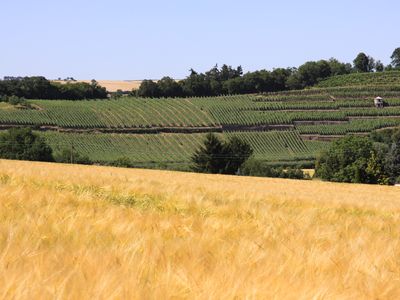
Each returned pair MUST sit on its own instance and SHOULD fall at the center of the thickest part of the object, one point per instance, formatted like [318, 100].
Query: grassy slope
[94, 232]
[362, 79]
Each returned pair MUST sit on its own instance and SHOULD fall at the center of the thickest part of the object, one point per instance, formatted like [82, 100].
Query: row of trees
[228, 80]
[41, 88]
[364, 63]
[374, 159]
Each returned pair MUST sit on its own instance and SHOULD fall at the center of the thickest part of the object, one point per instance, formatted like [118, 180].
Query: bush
[23, 144]
[352, 159]
[122, 162]
[68, 156]
[344, 161]
[262, 169]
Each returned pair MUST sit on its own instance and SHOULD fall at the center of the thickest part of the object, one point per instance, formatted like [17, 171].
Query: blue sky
[123, 39]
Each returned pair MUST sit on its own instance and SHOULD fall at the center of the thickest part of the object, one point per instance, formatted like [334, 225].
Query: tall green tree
[219, 157]
[379, 67]
[396, 58]
[363, 63]
[148, 89]
[392, 163]
[209, 157]
[237, 152]
[168, 87]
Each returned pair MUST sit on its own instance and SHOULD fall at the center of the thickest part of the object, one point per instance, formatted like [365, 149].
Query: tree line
[40, 88]
[228, 80]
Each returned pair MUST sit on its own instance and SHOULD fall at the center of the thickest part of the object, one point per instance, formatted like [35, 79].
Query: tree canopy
[364, 63]
[41, 88]
[396, 58]
[374, 159]
[23, 144]
[221, 157]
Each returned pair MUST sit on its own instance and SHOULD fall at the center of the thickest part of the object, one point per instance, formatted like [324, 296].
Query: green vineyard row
[178, 148]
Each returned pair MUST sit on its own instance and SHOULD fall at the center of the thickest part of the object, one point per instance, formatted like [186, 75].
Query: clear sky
[123, 39]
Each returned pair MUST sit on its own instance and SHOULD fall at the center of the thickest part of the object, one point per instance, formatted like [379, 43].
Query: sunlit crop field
[114, 85]
[86, 232]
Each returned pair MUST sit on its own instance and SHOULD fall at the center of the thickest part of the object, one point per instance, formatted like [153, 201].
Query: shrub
[262, 169]
[23, 144]
[122, 162]
[71, 156]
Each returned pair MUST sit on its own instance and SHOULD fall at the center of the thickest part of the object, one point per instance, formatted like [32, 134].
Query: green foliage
[118, 94]
[261, 169]
[392, 162]
[122, 162]
[23, 144]
[16, 101]
[148, 89]
[69, 155]
[358, 160]
[41, 88]
[363, 63]
[311, 72]
[364, 80]
[379, 67]
[209, 158]
[349, 159]
[169, 87]
[396, 58]
[220, 157]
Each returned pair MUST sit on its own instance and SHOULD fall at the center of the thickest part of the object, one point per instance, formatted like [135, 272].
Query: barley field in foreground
[87, 232]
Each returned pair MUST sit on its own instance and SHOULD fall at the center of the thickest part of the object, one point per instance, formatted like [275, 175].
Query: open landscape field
[114, 85]
[84, 232]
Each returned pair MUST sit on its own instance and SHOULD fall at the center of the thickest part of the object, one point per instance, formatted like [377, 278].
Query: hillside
[363, 79]
[283, 128]
[164, 235]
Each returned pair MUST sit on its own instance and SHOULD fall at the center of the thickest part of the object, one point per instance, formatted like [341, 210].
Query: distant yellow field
[87, 232]
[114, 85]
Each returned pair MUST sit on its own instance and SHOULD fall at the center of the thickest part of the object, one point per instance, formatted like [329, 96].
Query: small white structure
[378, 101]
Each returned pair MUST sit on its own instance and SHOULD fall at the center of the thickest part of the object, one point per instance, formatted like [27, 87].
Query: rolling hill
[284, 128]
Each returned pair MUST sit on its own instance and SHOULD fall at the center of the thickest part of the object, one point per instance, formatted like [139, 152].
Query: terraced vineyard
[177, 149]
[123, 113]
[357, 79]
[303, 117]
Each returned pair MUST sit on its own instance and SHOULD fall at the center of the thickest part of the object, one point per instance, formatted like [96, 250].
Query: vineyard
[290, 126]
[363, 79]
[176, 149]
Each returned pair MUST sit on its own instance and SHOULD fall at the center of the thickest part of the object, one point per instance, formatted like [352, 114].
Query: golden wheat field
[87, 232]
[114, 85]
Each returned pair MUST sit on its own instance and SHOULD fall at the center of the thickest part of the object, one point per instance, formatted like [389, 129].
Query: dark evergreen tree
[218, 157]
[209, 158]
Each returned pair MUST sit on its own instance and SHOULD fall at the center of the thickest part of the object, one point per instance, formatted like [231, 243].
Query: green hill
[283, 128]
[363, 79]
